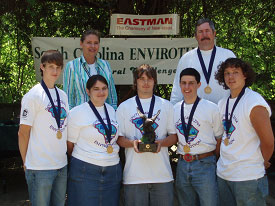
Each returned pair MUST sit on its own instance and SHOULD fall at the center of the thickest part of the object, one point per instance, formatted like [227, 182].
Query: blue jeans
[248, 193]
[153, 194]
[196, 182]
[90, 184]
[47, 187]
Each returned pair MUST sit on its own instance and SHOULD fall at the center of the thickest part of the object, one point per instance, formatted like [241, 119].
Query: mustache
[206, 38]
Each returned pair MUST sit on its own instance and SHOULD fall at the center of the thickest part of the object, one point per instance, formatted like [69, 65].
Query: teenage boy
[248, 140]
[42, 135]
[199, 130]
[147, 177]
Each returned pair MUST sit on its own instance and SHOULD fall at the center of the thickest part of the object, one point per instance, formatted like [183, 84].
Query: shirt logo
[193, 133]
[102, 131]
[25, 113]
[63, 114]
[231, 129]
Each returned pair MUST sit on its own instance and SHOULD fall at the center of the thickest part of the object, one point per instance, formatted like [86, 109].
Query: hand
[266, 164]
[159, 143]
[135, 145]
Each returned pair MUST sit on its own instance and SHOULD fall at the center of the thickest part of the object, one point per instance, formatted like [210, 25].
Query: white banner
[126, 24]
[123, 54]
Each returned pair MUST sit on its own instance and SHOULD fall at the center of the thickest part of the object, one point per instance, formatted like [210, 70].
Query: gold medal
[59, 134]
[207, 89]
[186, 148]
[110, 149]
[226, 141]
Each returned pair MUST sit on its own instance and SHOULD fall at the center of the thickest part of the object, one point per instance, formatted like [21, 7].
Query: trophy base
[150, 147]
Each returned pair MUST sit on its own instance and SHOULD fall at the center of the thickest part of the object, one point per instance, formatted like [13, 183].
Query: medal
[207, 72]
[186, 148]
[226, 141]
[110, 149]
[207, 89]
[59, 134]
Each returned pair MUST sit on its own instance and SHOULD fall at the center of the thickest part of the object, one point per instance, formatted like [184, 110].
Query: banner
[126, 24]
[124, 55]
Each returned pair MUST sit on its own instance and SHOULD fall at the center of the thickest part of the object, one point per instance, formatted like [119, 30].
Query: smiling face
[205, 36]
[98, 93]
[235, 79]
[189, 87]
[90, 46]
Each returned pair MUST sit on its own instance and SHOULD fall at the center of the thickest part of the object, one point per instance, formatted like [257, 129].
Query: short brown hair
[51, 56]
[89, 32]
[148, 70]
[236, 63]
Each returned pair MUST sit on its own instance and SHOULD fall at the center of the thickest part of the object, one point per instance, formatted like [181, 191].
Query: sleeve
[112, 96]
[256, 100]
[217, 123]
[176, 94]
[120, 121]
[73, 127]
[68, 84]
[171, 129]
[28, 111]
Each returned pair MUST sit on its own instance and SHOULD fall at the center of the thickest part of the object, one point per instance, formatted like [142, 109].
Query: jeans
[196, 182]
[90, 184]
[47, 187]
[153, 194]
[240, 193]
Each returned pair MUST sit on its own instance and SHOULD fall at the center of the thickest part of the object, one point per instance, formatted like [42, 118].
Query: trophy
[147, 143]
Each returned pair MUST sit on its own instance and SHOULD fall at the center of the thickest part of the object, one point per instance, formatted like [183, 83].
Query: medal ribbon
[85, 68]
[57, 114]
[152, 104]
[107, 131]
[207, 74]
[228, 122]
[186, 130]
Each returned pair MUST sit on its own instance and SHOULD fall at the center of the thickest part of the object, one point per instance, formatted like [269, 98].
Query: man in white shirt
[199, 131]
[205, 59]
[147, 177]
[248, 140]
[42, 135]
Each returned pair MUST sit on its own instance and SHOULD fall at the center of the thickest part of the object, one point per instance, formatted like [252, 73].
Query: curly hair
[236, 63]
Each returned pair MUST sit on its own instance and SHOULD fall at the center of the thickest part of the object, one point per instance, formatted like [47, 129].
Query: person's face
[205, 36]
[145, 85]
[234, 78]
[189, 87]
[90, 45]
[98, 93]
[51, 71]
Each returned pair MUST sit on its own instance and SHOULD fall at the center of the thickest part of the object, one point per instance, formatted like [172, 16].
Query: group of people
[221, 127]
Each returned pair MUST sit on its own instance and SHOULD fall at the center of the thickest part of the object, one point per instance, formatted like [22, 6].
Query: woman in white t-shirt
[95, 172]
[248, 141]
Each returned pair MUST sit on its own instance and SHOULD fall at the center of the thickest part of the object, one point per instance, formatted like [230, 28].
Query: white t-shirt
[146, 167]
[206, 127]
[191, 59]
[45, 151]
[89, 137]
[242, 159]
[92, 69]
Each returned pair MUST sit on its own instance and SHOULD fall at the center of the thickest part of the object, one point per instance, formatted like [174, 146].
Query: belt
[190, 158]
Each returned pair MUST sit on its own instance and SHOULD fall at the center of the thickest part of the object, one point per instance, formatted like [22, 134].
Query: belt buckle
[188, 158]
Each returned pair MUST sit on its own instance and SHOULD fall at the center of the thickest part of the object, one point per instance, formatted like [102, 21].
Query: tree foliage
[244, 26]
